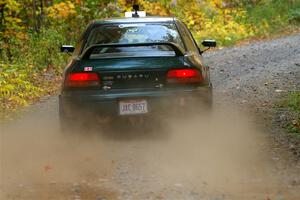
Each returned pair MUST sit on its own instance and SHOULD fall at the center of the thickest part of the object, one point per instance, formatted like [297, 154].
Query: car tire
[67, 124]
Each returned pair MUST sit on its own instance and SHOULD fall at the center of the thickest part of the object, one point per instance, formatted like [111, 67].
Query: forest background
[31, 32]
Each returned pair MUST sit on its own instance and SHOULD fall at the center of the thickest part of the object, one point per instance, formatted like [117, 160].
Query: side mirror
[209, 43]
[67, 49]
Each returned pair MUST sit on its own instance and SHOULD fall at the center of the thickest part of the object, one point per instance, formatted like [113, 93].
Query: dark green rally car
[133, 67]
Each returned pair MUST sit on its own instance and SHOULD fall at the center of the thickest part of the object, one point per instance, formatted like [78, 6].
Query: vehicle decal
[88, 69]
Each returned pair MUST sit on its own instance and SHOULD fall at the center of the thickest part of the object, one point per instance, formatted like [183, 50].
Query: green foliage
[43, 51]
[30, 61]
[23, 79]
[293, 102]
[294, 15]
[229, 21]
[269, 16]
[15, 87]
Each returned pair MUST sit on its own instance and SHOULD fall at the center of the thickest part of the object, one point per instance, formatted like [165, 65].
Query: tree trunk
[41, 17]
[35, 20]
[2, 16]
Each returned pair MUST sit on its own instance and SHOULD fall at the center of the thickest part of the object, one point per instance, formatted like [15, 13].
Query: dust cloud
[223, 153]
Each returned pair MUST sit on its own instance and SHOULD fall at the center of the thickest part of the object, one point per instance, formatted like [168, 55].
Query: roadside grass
[292, 103]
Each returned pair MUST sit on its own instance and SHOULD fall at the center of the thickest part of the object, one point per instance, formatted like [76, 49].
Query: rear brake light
[184, 76]
[82, 80]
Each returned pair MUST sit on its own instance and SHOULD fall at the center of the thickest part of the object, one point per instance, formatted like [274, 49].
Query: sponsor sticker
[88, 69]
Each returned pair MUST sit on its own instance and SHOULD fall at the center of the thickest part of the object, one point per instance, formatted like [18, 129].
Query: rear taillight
[184, 76]
[82, 79]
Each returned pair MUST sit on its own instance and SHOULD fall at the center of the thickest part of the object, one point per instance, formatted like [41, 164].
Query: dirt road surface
[230, 154]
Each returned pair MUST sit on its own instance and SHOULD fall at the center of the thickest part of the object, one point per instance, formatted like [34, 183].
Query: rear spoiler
[178, 50]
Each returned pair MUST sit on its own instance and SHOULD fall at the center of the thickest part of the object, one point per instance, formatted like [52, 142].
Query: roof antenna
[136, 8]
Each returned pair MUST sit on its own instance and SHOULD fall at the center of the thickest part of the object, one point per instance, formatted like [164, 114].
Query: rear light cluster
[82, 79]
[184, 76]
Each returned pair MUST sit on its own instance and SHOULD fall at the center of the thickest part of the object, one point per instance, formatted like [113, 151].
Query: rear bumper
[107, 103]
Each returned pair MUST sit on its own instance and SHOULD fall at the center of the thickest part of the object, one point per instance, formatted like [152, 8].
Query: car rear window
[134, 33]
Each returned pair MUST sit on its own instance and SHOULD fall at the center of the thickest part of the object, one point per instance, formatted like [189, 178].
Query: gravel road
[231, 154]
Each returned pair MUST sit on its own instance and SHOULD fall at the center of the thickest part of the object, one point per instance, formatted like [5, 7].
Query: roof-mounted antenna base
[136, 8]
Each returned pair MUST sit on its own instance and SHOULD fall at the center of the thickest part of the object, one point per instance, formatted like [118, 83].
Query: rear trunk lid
[131, 73]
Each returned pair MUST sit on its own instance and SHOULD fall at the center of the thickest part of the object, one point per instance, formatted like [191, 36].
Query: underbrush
[33, 70]
[229, 23]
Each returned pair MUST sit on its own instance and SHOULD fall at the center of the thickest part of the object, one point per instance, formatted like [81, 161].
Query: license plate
[133, 107]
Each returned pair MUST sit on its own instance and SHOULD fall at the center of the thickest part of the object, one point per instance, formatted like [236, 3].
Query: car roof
[134, 20]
